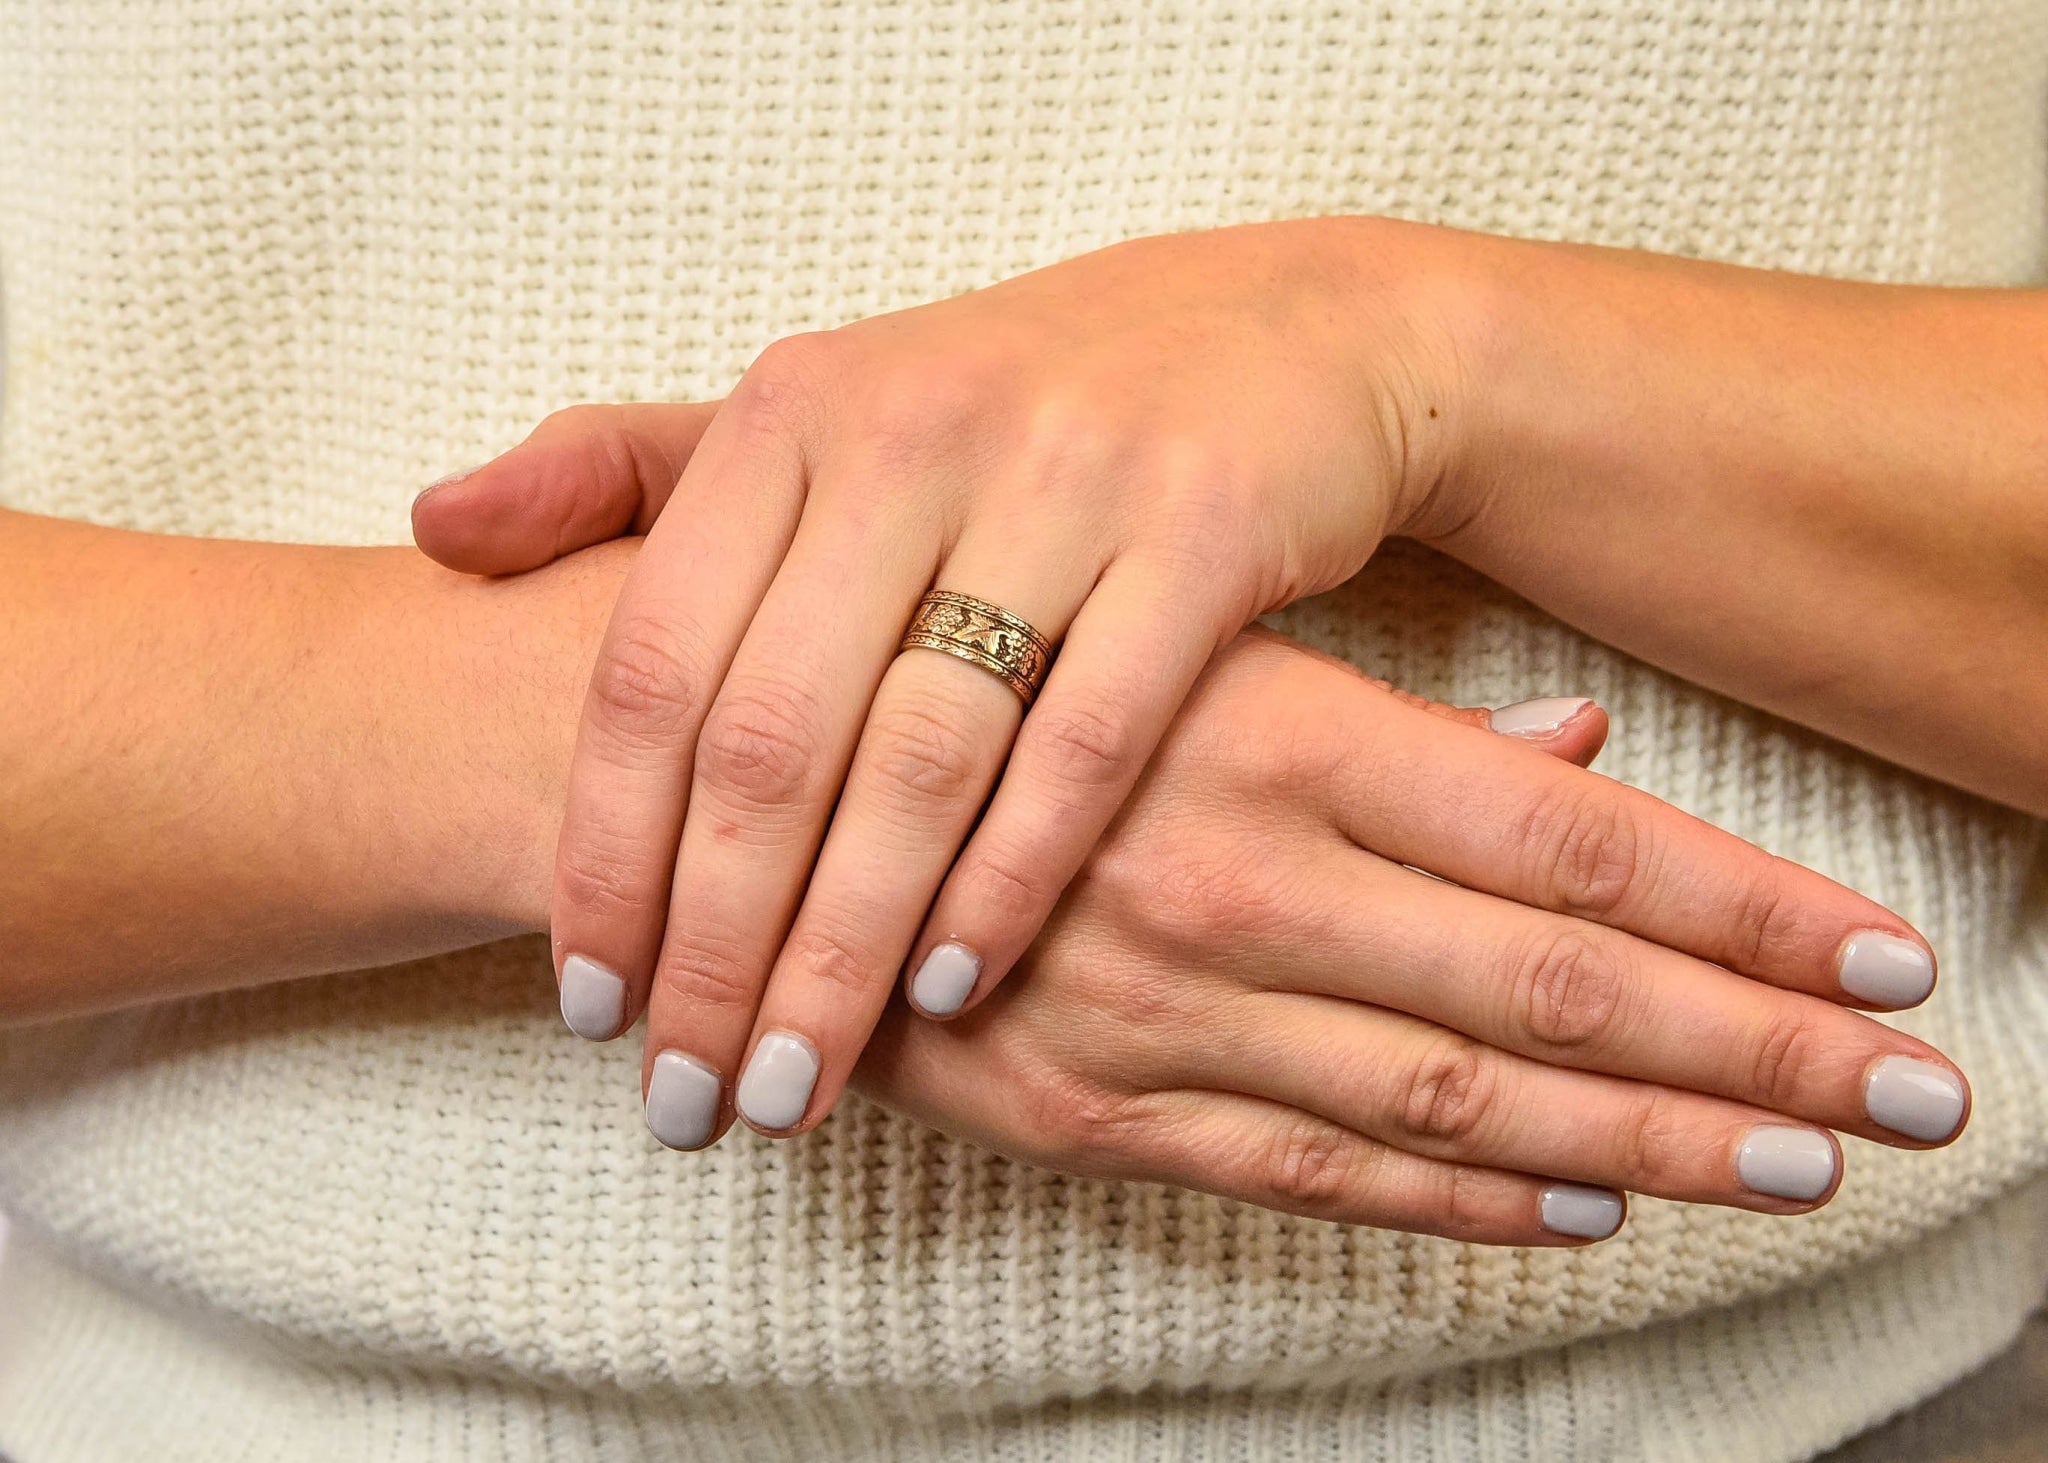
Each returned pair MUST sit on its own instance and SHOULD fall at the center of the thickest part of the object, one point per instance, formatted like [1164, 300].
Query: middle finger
[1577, 994]
[769, 763]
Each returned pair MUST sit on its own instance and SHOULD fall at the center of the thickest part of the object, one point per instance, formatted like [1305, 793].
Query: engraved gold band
[982, 634]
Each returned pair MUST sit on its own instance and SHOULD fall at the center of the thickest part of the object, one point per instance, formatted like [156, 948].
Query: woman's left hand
[1137, 452]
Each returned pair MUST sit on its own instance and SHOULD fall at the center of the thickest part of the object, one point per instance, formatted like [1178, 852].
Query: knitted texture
[268, 270]
[1776, 1378]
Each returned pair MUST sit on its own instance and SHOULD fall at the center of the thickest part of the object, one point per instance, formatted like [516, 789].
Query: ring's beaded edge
[1024, 689]
[984, 635]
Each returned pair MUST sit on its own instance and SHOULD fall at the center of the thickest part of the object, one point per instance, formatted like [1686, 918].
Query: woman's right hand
[1254, 989]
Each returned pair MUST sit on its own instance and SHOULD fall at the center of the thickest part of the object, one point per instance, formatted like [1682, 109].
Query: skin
[749, 692]
[1866, 463]
[1142, 448]
[232, 763]
[1350, 1065]
[236, 763]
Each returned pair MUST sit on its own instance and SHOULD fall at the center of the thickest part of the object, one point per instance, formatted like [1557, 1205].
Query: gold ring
[982, 634]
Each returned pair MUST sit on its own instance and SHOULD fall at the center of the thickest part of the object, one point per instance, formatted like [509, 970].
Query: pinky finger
[1280, 1157]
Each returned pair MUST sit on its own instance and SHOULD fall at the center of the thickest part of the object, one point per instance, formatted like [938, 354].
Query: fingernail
[1581, 1211]
[1786, 1163]
[593, 999]
[1886, 970]
[1916, 1098]
[682, 1101]
[943, 981]
[438, 483]
[776, 1087]
[1542, 717]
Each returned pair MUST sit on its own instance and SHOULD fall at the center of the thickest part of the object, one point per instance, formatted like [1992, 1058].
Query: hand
[1137, 451]
[1245, 992]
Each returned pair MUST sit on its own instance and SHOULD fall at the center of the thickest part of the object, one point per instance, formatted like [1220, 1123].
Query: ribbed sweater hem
[92, 1374]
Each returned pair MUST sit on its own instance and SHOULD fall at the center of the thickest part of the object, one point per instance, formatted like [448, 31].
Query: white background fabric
[272, 270]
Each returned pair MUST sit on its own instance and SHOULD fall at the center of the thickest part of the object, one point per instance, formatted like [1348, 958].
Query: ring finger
[934, 743]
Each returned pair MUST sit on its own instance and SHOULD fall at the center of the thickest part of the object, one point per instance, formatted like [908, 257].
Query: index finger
[1484, 812]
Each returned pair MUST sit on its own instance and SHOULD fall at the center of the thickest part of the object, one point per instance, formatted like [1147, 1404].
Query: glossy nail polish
[1886, 970]
[776, 1087]
[593, 999]
[945, 979]
[1915, 1098]
[1545, 716]
[1582, 1211]
[682, 1101]
[1786, 1163]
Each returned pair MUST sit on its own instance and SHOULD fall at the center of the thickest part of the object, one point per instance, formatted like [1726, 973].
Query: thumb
[1573, 728]
[584, 475]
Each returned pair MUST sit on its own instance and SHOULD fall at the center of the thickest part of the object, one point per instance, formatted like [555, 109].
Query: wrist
[507, 660]
[1423, 324]
[1450, 349]
[438, 819]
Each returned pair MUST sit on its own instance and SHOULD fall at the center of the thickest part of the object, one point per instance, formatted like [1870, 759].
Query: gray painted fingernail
[1786, 1163]
[1545, 716]
[776, 1087]
[1912, 1097]
[1886, 970]
[593, 999]
[943, 981]
[682, 1101]
[1582, 1211]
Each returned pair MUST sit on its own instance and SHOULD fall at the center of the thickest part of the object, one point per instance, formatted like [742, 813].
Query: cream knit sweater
[269, 268]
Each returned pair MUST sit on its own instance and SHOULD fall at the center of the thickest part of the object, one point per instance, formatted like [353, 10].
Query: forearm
[1824, 498]
[232, 763]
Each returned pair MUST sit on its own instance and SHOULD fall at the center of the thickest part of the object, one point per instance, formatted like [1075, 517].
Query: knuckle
[1079, 1124]
[1222, 735]
[1457, 1205]
[646, 683]
[1150, 997]
[1070, 444]
[819, 953]
[1004, 887]
[1589, 847]
[914, 415]
[1449, 1096]
[700, 974]
[785, 387]
[1644, 1139]
[595, 885]
[1313, 1167]
[1295, 754]
[1204, 516]
[1781, 1057]
[580, 420]
[1193, 902]
[1280, 737]
[758, 746]
[1569, 988]
[1764, 916]
[920, 756]
[1082, 743]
